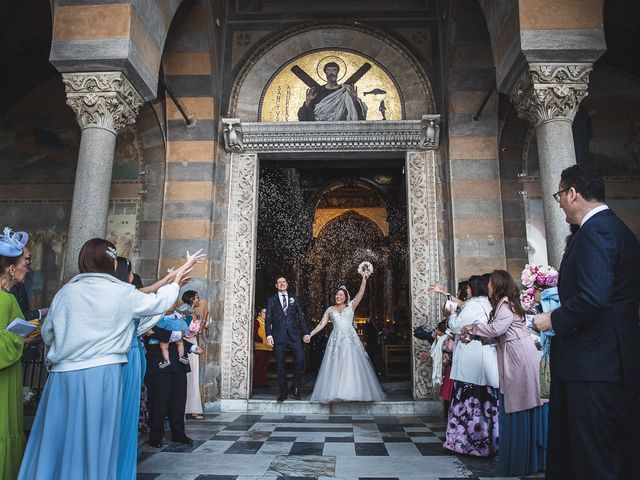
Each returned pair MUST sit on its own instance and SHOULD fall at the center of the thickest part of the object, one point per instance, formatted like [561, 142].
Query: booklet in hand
[21, 327]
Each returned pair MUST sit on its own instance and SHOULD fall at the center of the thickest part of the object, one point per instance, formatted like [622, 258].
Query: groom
[286, 328]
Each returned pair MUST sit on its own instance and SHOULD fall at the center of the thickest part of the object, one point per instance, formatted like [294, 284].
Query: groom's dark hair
[277, 277]
[587, 181]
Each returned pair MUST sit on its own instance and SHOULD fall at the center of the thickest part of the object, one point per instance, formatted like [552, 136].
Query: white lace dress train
[346, 373]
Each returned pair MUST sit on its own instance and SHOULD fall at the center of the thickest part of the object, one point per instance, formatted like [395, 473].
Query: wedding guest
[132, 376]
[193, 406]
[446, 389]
[88, 333]
[261, 351]
[472, 428]
[12, 269]
[166, 389]
[20, 292]
[523, 415]
[594, 430]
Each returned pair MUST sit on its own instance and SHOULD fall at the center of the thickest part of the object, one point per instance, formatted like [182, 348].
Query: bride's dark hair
[344, 290]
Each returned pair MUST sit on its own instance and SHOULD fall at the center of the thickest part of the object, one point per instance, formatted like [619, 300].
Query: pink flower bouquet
[536, 277]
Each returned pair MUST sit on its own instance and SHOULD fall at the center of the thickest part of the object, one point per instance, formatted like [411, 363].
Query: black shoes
[155, 444]
[185, 440]
[295, 393]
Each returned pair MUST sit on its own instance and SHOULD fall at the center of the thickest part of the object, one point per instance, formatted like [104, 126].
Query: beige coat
[518, 358]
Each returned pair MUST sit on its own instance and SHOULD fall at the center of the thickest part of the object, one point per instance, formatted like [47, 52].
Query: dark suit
[594, 430]
[20, 292]
[287, 330]
[166, 388]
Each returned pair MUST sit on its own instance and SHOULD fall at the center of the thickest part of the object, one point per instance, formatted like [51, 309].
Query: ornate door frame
[245, 142]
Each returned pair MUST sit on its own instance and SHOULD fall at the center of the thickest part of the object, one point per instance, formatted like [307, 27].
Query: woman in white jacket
[472, 427]
[87, 334]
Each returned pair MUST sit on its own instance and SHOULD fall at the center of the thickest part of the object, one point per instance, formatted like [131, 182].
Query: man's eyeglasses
[556, 196]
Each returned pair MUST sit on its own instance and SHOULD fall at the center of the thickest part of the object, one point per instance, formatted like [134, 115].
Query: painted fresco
[39, 144]
[368, 89]
[121, 227]
[40, 140]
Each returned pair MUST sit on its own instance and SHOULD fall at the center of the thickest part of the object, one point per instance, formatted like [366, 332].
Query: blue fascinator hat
[12, 243]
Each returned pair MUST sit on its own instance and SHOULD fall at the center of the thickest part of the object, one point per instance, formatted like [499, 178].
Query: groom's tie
[284, 303]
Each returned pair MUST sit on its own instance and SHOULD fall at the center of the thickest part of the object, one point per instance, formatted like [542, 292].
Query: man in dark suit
[594, 428]
[286, 328]
[166, 389]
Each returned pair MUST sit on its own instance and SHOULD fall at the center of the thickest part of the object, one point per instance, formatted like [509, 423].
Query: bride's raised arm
[322, 324]
[356, 300]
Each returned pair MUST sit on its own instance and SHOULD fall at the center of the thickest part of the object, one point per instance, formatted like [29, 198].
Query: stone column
[104, 104]
[424, 263]
[548, 95]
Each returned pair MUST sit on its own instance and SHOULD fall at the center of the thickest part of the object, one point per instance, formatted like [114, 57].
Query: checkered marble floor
[232, 446]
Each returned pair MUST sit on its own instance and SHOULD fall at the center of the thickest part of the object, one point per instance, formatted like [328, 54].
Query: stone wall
[132, 40]
[473, 168]
[195, 201]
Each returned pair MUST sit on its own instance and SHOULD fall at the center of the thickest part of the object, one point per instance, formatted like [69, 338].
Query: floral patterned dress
[473, 425]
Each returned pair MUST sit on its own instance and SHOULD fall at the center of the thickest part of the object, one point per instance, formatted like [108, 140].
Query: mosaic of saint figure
[332, 101]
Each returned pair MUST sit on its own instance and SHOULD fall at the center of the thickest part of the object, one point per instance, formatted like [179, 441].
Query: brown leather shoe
[282, 398]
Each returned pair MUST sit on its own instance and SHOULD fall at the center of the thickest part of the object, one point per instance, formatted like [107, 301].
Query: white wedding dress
[346, 373]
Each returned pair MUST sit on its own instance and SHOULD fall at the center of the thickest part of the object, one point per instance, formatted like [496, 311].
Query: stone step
[305, 407]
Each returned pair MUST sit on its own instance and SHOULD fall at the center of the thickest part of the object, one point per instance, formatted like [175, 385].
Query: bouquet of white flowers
[365, 267]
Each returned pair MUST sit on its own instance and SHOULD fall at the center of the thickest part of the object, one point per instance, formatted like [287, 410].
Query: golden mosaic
[286, 93]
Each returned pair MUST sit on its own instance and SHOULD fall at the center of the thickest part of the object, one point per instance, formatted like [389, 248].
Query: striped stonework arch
[113, 35]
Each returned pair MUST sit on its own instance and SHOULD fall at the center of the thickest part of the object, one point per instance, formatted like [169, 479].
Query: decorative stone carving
[548, 91]
[241, 251]
[367, 136]
[423, 256]
[232, 134]
[102, 99]
[239, 277]
[429, 132]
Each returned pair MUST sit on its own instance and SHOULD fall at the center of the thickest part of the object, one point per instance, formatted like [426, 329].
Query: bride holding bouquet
[346, 373]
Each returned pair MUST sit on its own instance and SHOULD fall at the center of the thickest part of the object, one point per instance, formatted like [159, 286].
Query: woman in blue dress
[88, 332]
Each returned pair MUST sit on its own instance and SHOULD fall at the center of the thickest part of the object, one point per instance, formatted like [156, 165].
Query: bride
[346, 373]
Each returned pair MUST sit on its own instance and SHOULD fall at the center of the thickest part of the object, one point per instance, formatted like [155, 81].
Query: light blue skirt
[523, 440]
[132, 376]
[74, 435]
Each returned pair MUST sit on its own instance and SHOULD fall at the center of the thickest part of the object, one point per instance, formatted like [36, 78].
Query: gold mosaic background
[286, 93]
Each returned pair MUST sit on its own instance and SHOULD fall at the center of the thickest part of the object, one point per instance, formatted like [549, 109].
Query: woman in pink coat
[523, 414]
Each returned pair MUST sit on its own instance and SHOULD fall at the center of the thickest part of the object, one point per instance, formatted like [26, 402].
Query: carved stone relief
[241, 248]
[548, 91]
[358, 136]
[423, 256]
[239, 277]
[102, 99]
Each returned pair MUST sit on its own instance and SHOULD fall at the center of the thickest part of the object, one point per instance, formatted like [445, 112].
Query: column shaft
[104, 104]
[548, 95]
[555, 153]
[91, 193]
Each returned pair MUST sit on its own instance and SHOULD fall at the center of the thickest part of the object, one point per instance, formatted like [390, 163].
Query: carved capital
[102, 99]
[548, 91]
